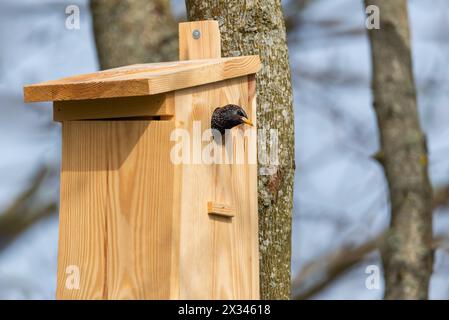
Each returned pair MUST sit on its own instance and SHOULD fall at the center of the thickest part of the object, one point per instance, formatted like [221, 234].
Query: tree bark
[257, 27]
[408, 257]
[134, 31]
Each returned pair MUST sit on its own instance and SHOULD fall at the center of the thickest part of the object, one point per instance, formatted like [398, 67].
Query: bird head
[229, 116]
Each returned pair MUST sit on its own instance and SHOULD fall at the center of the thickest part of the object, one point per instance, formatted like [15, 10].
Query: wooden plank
[221, 260]
[252, 195]
[220, 209]
[123, 107]
[195, 252]
[142, 79]
[176, 219]
[207, 46]
[117, 213]
[234, 183]
[82, 227]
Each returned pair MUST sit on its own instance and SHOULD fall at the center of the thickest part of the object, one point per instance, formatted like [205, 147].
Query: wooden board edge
[220, 209]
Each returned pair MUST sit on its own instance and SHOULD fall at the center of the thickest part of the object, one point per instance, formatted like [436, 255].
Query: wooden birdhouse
[135, 223]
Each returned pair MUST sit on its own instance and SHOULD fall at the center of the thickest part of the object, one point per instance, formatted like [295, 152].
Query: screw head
[196, 34]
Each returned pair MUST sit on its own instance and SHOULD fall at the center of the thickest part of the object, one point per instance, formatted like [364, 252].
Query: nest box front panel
[218, 250]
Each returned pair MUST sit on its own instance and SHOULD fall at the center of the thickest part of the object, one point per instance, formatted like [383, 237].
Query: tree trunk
[408, 257]
[134, 31]
[257, 27]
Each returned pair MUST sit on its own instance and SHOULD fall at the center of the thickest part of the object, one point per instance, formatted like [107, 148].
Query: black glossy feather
[227, 117]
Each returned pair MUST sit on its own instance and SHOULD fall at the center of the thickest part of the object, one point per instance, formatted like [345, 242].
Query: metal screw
[196, 34]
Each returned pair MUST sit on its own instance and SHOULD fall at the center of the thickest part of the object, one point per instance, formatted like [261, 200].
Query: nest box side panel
[117, 212]
[218, 252]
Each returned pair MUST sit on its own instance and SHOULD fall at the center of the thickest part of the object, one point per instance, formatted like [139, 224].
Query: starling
[228, 117]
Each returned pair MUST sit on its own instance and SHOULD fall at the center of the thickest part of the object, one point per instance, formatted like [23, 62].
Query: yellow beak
[248, 122]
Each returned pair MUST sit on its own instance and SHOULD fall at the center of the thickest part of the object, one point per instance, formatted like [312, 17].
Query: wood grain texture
[142, 106]
[142, 79]
[208, 46]
[221, 260]
[220, 209]
[252, 188]
[116, 216]
[135, 224]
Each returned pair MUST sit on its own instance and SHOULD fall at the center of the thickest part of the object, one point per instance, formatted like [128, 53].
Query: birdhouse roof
[142, 79]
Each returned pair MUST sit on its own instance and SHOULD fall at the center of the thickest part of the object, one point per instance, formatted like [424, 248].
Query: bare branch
[322, 272]
[318, 274]
[24, 211]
